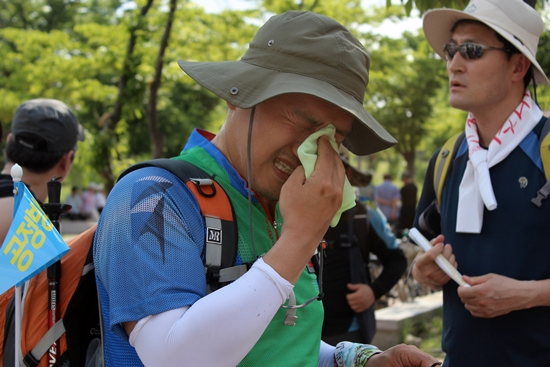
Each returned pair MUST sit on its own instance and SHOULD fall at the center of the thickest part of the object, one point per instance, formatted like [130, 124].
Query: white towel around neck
[476, 189]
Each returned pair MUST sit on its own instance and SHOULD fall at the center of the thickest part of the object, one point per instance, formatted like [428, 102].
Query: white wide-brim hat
[514, 20]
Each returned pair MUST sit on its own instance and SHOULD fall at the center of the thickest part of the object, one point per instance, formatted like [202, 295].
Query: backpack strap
[358, 229]
[358, 253]
[443, 162]
[429, 220]
[33, 357]
[221, 240]
[544, 147]
[362, 229]
[79, 245]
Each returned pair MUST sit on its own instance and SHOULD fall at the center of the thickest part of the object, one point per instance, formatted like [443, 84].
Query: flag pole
[16, 175]
[53, 210]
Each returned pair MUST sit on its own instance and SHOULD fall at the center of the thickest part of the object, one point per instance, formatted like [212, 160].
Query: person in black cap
[43, 141]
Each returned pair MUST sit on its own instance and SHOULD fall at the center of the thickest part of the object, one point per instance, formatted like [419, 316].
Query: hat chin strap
[249, 178]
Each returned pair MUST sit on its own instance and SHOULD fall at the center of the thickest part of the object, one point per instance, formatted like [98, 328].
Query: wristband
[347, 354]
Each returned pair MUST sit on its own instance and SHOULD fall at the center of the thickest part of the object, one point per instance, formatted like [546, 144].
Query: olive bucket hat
[300, 52]
[514, 20]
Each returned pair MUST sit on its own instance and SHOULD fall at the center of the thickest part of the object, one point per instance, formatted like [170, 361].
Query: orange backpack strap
[37, 337]
[4, 302]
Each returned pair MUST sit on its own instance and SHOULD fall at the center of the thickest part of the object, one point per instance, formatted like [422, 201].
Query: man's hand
[402, 356]
[307, 207]
[361, 298]
[426, 271]
[493, 295]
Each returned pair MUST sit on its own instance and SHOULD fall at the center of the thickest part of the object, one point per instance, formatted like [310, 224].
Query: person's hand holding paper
[307, 152]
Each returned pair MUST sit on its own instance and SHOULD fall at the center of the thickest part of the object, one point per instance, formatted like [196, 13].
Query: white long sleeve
[219, 329]
[326, 355]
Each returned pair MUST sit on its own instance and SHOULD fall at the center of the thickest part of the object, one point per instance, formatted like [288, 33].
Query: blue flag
[32, 243]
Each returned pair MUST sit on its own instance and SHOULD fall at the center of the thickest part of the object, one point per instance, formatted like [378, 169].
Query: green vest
[279, 345]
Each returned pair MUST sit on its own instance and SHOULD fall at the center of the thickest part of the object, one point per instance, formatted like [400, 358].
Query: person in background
[365, 189]
[43, 141]
[409, 194]
[493, 225]
[387, 197]
[350, 293]
[6, 182]
[75, 201]
[302, 80]
[99, 198]
[89, 208]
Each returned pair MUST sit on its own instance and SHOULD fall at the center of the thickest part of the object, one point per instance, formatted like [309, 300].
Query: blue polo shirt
[514, 243]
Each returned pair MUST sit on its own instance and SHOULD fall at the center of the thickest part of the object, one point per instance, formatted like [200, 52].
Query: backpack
[444, 161]
[6, 186]
[354, 238]
[359, 269]
[78, 330]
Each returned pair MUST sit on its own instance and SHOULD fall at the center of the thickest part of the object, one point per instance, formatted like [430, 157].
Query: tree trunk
[410, 157]
[156, 135]
[128, 72]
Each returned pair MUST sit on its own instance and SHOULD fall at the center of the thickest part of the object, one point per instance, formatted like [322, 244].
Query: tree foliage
[47, 15]
[115, 64]
[425, 5]
[404, 81]
[103, 65]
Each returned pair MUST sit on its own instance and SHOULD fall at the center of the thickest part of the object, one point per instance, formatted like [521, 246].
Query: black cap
[359, 178]
[50, 120]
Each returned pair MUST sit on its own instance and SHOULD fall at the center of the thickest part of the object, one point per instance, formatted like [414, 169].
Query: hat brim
[80, 132]
[231, 81]
[437, 25]
[358, 178]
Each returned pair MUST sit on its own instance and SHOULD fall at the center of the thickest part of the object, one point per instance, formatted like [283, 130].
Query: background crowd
[86, 205]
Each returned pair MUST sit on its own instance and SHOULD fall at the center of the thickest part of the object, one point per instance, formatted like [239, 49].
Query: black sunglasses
[469, 51]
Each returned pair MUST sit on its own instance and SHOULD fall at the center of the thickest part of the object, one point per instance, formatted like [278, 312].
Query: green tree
[47, 15]
[346, 12]
[425, 5]
[156, 136]
[406, 78]
[543, 57]
[105, 65]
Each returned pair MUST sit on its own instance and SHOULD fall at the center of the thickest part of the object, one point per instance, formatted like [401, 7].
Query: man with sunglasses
[302, 80]
[489, 228]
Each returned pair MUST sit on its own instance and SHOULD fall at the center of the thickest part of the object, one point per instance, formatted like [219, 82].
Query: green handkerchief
[307, 152]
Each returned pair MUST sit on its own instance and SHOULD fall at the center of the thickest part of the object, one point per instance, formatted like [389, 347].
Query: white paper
[440, 260]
